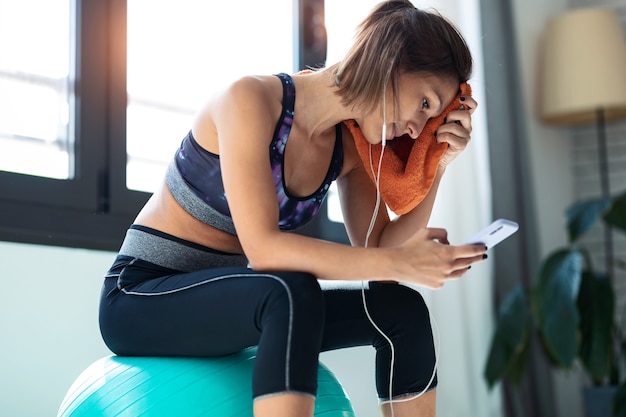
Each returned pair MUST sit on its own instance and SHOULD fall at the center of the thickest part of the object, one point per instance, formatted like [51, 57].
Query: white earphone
[384, 129]
[369, 231]
[384, 134]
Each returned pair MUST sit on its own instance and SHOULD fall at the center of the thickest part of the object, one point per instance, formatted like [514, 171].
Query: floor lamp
[584, 80]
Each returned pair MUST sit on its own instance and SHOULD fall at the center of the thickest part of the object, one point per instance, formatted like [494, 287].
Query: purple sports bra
[195, 177]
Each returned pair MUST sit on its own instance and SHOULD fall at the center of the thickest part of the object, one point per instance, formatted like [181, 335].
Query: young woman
[210, 267]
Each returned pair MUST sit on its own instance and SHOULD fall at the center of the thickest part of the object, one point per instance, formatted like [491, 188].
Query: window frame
[76, 212]
[94, 209]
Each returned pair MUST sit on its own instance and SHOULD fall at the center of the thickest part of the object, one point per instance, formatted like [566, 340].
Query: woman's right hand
[427, 259]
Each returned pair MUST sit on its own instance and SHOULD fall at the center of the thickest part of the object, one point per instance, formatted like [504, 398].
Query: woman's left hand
[456, 130]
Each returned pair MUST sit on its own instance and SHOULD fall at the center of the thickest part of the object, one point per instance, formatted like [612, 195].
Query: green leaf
[508, 355]
[554, 301]
[596, 303]
[619, 402]
[616, 216]
[581, 216]
[518, 366]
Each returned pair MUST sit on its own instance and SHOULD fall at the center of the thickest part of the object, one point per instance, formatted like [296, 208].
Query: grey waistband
[193, 204]
[174, 254]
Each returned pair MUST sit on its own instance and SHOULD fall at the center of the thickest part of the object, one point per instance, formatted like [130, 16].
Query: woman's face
[420, 97]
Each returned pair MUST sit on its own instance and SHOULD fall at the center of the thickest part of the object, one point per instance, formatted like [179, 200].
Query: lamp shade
[584, 67]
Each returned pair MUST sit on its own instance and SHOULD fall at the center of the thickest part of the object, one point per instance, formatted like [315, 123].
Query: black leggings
[150, 310]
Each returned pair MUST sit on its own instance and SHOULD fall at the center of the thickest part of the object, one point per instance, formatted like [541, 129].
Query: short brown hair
[397, 37]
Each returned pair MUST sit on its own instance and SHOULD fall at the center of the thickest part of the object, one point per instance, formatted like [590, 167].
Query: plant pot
[598, 400]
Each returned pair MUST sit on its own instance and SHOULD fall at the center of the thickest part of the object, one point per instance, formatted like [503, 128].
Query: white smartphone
[495, 233]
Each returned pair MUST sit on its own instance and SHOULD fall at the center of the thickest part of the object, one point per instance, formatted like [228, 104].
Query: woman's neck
[318, 109]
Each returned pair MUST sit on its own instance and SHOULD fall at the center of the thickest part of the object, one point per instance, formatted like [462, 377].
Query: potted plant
[571, 307]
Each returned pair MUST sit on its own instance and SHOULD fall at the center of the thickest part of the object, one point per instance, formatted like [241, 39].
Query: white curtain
[462, 310]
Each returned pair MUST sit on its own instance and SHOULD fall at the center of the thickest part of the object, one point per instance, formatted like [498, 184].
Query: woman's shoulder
[260, 86]
[249, 102]
[250, 94]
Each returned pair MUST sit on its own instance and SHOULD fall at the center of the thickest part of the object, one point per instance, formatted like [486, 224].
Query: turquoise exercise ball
[163, 387]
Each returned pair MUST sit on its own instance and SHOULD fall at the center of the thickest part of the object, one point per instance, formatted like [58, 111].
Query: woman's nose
[414, 129]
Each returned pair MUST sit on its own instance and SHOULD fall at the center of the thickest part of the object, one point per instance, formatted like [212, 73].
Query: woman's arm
[358, 201]
[419, 255]
[401, 227]
[244, 115]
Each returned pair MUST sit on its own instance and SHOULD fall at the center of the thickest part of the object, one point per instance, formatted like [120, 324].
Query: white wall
[48, 324]
[549, 147]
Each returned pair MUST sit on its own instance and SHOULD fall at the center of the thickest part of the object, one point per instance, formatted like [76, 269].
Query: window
[171, 72]
[34, 85]
[94, 102]
[54, 123]
[341, 20]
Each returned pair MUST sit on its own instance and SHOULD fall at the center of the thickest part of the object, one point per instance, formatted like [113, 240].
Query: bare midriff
[162, 212]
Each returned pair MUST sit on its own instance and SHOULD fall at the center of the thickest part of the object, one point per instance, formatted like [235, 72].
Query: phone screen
[495, 233]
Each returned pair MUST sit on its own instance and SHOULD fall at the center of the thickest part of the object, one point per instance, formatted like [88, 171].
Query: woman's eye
[425, 104]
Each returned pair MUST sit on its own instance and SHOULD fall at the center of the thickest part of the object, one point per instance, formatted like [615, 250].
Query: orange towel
[409, 166]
